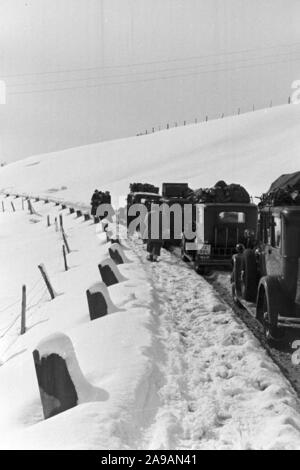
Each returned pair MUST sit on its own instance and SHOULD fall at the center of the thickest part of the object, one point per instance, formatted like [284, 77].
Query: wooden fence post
[48, 221]
[47, 281]
[56, 224]
[23, 311]
[61, 223]
[30, 207]
[65, 258]
[66, 241]
[3, 210]
[13, 207]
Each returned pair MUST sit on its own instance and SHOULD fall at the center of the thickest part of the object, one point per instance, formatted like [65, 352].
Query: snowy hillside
[170, 367]
[251, 149]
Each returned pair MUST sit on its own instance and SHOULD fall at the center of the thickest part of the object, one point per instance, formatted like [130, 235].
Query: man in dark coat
[153, 233]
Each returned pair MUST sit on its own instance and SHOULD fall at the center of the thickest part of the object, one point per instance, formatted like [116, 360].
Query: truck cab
[140, 197]
[218, 228]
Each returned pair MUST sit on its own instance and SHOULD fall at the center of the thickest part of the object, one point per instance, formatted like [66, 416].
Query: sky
[84, 71]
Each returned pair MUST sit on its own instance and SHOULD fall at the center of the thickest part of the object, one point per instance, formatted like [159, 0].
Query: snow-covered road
[180, 370]
[220, 390]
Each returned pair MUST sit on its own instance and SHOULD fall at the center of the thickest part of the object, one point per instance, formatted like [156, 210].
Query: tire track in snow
[221, 390]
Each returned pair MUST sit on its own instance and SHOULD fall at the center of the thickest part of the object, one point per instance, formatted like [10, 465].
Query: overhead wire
[147, 72]
[140, 64]
[145, 80]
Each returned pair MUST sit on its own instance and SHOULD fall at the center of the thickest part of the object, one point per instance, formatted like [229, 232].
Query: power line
[151, 79]
[54, 82]
[141, 64]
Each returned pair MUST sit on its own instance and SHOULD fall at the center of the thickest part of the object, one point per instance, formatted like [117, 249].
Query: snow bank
[114, 352]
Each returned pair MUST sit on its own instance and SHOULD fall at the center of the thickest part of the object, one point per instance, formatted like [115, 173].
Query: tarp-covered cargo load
[222, 193]
[284, 191]
[143, 188]
[290, 181]
[172, 190]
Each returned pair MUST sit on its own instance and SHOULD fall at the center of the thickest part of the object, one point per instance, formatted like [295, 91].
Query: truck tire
[268, 316]
[249, 276]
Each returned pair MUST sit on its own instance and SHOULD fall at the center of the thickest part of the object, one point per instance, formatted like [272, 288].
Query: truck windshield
[232, 217]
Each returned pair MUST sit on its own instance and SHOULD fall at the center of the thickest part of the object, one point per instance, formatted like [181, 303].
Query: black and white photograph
[149, 228]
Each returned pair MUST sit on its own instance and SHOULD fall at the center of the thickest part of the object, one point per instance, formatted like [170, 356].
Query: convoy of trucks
[260, 243]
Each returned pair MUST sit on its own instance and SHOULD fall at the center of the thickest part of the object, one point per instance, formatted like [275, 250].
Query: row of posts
[58, 390]
[196, 121]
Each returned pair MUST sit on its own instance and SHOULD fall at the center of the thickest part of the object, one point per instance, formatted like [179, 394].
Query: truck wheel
[249, 276]
[269, 320]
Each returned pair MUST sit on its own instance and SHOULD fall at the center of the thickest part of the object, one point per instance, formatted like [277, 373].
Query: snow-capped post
[48, 221]
[96, 301]
[3, 209]
[72, 210]
[47, 281]
[117, 254]
[56, 224]
[56, 365]
[61, 382]
[61, 223]
[78, 213]
[65, 258]
[87, 217]
[109, 272]
[23, 311]
[63, 206]
[66, 241]
[13, 206]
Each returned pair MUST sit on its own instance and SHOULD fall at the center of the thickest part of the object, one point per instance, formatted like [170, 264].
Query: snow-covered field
[171, 367]
[265, 142]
